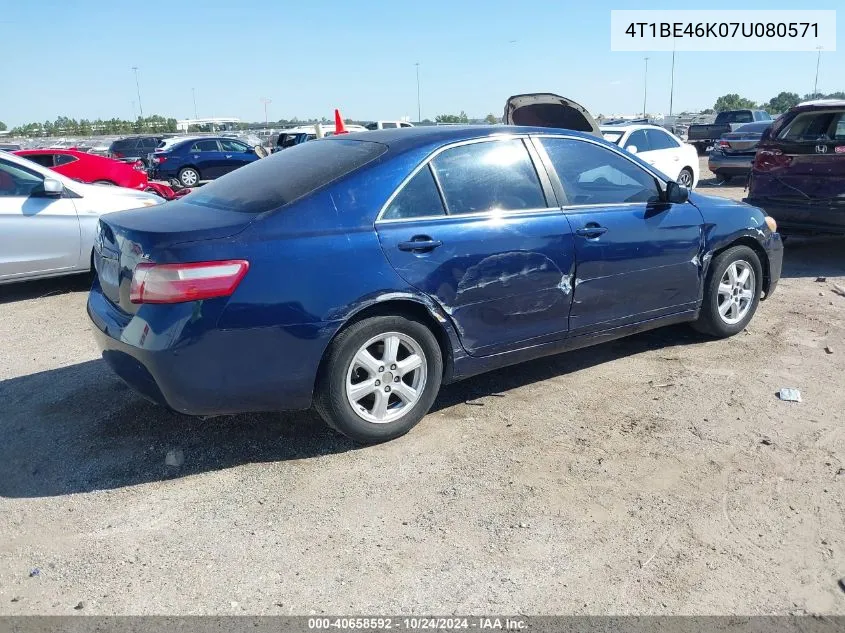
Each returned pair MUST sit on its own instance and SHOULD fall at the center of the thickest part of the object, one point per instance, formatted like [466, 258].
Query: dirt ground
[657, 474]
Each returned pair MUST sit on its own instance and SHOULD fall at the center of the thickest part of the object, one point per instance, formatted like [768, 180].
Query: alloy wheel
[736, 292]
[386, 378]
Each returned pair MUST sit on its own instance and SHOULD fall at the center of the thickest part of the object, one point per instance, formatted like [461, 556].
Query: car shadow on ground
[817, 256]
[79, 429]
[24, 291]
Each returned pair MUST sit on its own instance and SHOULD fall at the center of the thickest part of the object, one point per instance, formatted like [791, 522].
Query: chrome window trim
[427, 162]
[488, 215]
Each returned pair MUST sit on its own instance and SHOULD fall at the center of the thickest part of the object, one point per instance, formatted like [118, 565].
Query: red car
[89, 167]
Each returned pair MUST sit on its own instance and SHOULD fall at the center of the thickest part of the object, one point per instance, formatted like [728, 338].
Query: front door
[39, 234]
[235, 154]
[497, 256]
[637, 257]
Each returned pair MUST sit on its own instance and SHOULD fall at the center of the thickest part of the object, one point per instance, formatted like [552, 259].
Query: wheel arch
[410, 306]
[754, 245]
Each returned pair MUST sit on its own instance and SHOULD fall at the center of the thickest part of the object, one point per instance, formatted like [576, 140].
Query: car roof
[402, 139]
[631, 126]
[835, 103]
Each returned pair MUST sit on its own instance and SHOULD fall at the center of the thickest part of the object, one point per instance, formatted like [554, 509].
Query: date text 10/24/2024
[418, 623]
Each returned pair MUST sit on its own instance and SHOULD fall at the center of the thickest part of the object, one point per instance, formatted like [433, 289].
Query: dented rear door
[479, 231]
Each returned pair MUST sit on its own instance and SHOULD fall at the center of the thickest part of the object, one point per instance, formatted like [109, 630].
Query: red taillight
[770, 159]
[178, 283]
[139, 165]
[159, 159]
[724, 144]
[118, 154]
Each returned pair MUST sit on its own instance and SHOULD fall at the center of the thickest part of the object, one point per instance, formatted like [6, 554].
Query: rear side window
[595, 175]
[490, 175]
[388, 125]
[286, 176]
[64, 159]
[418, 198]
[204, 146]
[811, 127]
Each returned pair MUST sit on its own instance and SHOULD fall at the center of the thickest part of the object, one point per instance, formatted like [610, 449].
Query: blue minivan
[190, 160]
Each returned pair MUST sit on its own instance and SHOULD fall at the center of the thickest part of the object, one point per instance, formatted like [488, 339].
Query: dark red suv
[798, 174]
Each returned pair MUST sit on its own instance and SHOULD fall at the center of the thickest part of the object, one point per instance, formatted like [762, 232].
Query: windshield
[286, 176]
[613, 137]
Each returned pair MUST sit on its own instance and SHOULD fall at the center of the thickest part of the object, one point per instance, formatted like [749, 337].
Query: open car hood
[544, 109]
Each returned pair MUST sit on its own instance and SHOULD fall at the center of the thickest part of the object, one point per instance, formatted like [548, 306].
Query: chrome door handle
[230, 156]
[419, 244]
[591, 231]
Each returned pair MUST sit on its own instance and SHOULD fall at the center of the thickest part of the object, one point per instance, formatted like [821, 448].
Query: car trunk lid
[740, 142]
[549, 110]
[126, 238]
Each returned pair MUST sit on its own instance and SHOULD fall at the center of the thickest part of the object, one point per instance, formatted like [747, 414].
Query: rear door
[207, 157]
[478, 229]
[637, 257]
[665, 153]
[38, 233]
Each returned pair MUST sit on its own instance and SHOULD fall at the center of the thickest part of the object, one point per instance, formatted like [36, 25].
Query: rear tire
[379, 378]
[731, 292]
[189, 177]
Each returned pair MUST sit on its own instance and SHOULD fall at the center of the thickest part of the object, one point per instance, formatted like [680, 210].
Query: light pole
[419, 107]
[134, 113]
[672, 81]
[194, 95]
[138, 88]
[818, 60]
[645, 86]
[266, 102]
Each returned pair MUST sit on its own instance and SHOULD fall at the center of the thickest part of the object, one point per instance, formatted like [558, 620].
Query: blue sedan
[357, 274]
[192, 159]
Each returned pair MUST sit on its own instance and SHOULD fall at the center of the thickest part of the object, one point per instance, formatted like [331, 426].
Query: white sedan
[48, 222]
[658, 147]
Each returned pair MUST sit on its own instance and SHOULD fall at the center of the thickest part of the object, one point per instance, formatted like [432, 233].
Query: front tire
[380, 377]
[189, 177]
[685, 178]
[731, 292]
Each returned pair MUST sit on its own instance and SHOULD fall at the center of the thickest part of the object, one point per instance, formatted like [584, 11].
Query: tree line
[65, 126]
[776, 105]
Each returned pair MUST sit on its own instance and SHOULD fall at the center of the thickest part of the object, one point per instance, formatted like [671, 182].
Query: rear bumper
[204, 370]
[730, 165]
[801, 217]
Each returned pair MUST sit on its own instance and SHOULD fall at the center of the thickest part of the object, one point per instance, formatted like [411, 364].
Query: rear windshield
[613, 137]
[742, 116]
[286, 176]
[753, 128]
[811, 127]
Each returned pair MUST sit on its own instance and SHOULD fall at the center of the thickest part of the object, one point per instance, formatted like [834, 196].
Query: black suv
[132, 148]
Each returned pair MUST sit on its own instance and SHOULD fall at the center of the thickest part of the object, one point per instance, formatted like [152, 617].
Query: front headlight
[772, 224]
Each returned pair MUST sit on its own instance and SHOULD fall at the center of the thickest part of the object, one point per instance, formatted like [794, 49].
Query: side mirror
[53, 187]
[632, 149]
[675, 193]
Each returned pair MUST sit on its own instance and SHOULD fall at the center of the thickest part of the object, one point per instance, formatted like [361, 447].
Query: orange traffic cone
[339, 127]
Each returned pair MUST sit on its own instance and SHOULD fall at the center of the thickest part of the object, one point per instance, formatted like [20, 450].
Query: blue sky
[75, 59]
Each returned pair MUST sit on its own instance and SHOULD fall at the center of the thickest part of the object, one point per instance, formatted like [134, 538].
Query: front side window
[45, 160]
[658, 139]
[388, 125]
[639, 141]
[487, 176]
[591, 174]
[17, 181]
[233, 146]
[417, 199]
[205, 146]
